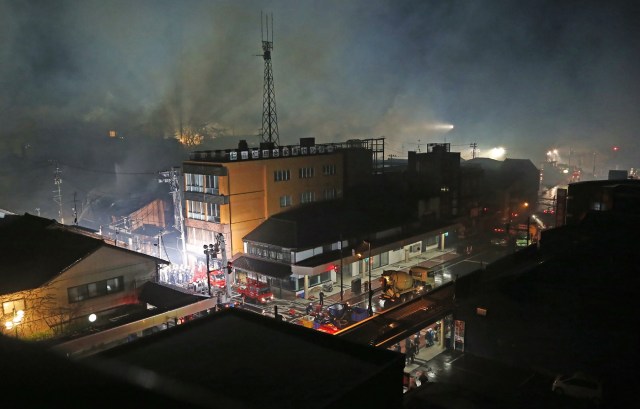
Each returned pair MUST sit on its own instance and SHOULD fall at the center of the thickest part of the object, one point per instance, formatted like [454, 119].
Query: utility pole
[75, 210]
[473, 147]
[341, 276]
[171, 177]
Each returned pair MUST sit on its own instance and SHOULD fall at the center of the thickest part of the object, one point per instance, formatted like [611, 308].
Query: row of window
[201, 183]
[211, 211]
[303, 173]
[97, 289]
[203, 211]
[196, 235]
[273, 253]
[308, 197]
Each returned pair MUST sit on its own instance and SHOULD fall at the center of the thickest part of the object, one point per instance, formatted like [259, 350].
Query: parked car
[578, 385]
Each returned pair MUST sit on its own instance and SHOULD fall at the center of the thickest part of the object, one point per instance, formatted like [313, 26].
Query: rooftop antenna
[269, 116]
[57, 181]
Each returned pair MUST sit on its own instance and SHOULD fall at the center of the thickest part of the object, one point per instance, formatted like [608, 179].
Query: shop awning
[264, 267]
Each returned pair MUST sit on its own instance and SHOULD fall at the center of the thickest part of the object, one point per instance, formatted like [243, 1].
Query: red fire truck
[218, 279]
[255, 290]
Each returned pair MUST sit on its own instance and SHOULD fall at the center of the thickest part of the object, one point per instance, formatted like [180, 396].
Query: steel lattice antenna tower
[269, 115]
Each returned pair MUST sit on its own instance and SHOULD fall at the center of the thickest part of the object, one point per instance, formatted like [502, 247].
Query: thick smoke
[528, 76]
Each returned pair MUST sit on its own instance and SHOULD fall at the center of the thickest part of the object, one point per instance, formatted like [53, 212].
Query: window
[306, 173]
[329, 169]
[281, 175]
[10, 307]
[211, 184]
[193, 182]
[97, 289]
[195, 210]
[274, 253]
[307, 197]
[285, 201]
[201, 183]
[330, 193]
[379, 260]
[213, 212]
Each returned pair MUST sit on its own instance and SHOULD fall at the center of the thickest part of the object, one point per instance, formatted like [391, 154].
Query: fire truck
[218, 279]
[255, 290]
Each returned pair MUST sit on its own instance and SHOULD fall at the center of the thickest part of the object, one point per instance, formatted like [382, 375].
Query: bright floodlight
[497, 153]
[92, 318]
[439, 126]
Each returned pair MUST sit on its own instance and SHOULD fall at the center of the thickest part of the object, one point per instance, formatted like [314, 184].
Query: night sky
[526, 75]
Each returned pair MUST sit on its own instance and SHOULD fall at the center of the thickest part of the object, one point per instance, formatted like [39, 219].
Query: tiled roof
[34, 250]
[309, 225]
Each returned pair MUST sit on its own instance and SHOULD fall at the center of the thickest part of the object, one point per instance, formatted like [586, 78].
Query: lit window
[213, 212]
[195, 210]
[193, 182]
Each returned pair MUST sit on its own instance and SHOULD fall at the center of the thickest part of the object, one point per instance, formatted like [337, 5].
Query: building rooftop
[235, 358]
[35, 250]
[307, 147]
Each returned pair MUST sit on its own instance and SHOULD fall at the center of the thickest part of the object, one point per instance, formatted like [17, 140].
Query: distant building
[509, 187]
[140, 230]
[618, 174]
[54, 277]
[435, 176]
[619, 196]
[233, 191]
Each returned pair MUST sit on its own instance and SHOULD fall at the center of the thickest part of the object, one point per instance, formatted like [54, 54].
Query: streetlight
[370, 307]
[209, 251]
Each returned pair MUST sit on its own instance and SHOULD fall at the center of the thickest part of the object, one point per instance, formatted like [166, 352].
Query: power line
[109, 171]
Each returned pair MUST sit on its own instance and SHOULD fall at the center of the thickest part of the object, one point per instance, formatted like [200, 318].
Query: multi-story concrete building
[233, 191]
[436, 178]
